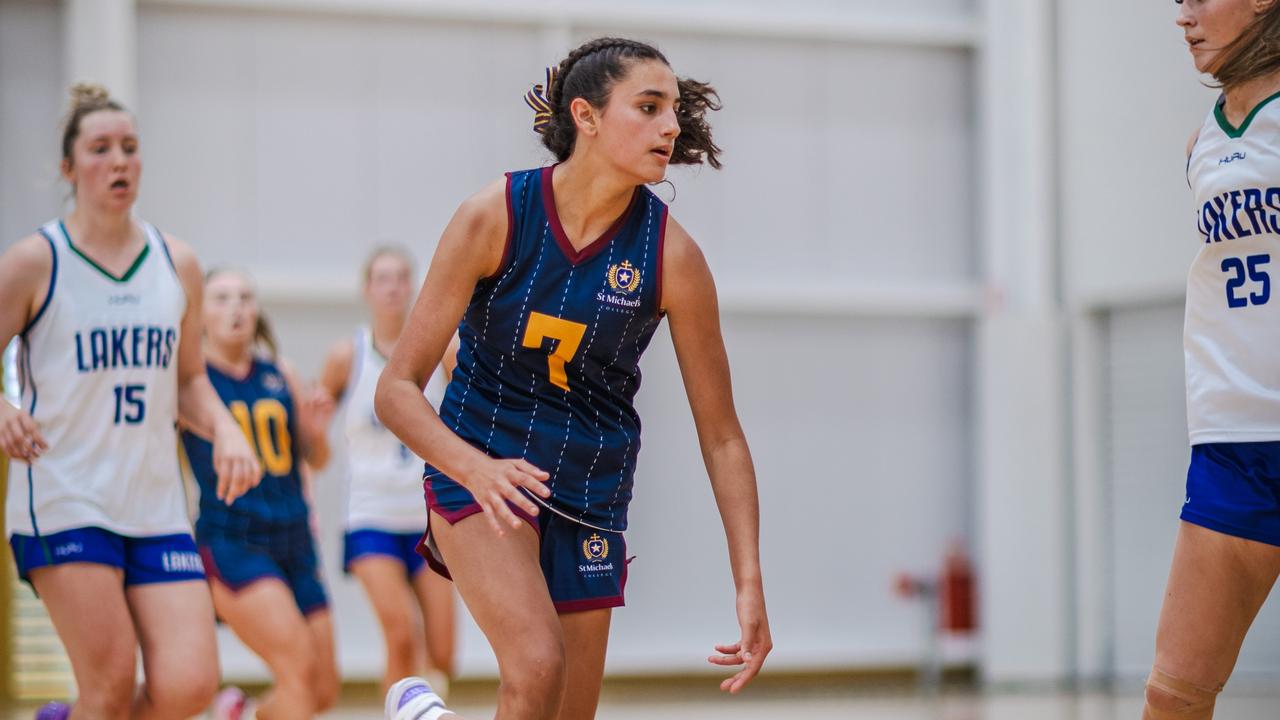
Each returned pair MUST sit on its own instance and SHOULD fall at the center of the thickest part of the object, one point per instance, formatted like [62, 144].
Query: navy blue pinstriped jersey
[263, 407]
[550, 352]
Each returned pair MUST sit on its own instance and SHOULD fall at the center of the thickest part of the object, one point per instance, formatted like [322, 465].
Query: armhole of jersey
[159, 238]
[662, 244]
[509, 242]
[1190, 152]
[53, 282]
[357, 365]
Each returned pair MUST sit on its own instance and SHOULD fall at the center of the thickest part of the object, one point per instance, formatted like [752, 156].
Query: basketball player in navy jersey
[556, 279]
[108, 313]
[1227, 555]
[259, 554]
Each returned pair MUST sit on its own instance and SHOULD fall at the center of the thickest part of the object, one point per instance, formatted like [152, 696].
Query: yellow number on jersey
[567, 332]
[275, 452]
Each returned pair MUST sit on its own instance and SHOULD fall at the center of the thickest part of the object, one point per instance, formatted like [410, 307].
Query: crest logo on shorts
[595, 547]
[624, 278]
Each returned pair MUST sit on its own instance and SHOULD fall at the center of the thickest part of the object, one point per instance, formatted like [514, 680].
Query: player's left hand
[318, 408]
[755, 644]
[234, 462]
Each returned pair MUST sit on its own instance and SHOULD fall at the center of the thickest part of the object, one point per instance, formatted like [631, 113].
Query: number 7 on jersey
[569, 336]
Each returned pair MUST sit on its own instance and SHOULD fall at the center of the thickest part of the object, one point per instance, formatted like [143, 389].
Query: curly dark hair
[591, 71]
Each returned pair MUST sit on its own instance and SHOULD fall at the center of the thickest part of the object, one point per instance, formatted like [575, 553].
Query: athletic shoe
[230, 704]
[54, 711]
[413, 699]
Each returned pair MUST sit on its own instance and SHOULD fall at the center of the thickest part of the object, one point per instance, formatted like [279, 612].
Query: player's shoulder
[678, 244]
[31, 254]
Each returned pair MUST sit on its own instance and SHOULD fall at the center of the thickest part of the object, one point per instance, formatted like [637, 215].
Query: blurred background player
[559, 277]
[1227, 554]
[386, 517]
[108, 311]
[260, 553]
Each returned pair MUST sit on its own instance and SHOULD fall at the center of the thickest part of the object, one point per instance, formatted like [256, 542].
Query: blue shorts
[1234, 489]
[159, 559]
[357, 544]
[585, 569]
[287, 554]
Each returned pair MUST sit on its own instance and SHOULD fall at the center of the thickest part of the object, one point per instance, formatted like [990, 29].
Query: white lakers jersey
[386, 478]
[98, 373]
[1232, 329]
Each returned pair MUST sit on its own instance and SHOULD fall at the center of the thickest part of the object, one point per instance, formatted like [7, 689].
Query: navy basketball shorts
[1234, 489]
[287, 554]
[145, 560]
[368, 542]
[585, 569]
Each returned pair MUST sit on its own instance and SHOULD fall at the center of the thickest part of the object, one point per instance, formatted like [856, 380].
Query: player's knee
[185, 690]
[108, 691]
[398, 629]
[111, 698]
[1170, 698]
[535, 676]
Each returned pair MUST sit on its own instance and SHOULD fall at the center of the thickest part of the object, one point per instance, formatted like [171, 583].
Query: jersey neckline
[557, 230]
[1231, 130]
[129, 273]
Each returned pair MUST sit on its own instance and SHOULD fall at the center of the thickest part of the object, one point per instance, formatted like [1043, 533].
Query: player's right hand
[494, 483]
[234, 462]
[20, 437]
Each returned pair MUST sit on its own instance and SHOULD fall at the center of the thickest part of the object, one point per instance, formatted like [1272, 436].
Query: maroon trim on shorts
[572, 606]
[211, 570]
[453, 517]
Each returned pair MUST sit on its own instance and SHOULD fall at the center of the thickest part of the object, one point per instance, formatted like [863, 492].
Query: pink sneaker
[230, 704]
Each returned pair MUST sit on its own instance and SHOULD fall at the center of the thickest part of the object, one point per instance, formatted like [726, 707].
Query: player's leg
[586, 638]
[500, 579]
[1216, 587]
[436, 599]
[382, 578]
[264, 615]
[327, 681]
[87, 605]
[179, 649]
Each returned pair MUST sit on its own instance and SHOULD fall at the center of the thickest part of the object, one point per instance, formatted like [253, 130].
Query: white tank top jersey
[386, 478]
[1232, 330]
[98, 373]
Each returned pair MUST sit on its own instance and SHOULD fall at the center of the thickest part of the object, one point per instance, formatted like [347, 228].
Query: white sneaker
[413, 699]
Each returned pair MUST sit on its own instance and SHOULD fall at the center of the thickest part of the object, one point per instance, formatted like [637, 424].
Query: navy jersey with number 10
[262, 405]
[550, 352]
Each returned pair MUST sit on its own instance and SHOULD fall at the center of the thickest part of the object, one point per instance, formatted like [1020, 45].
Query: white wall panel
[32, 99]
[1129, 100]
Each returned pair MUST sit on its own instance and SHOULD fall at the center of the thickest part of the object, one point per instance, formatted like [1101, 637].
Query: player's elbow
[384, 399]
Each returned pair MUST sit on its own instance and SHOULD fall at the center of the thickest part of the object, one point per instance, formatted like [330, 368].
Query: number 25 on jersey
[1252, 268]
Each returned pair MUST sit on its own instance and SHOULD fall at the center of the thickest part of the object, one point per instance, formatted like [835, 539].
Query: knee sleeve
[1192, 702]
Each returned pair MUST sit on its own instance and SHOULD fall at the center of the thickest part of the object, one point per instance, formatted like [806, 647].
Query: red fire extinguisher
[956, 605]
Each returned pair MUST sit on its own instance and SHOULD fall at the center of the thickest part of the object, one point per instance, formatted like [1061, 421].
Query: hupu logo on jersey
[595, 548]
[624, 278]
